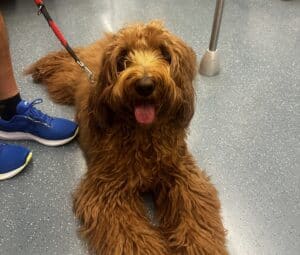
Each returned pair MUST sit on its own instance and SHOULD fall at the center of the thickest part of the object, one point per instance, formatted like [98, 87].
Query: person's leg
[13, 158]
[9, 92]
[20, 119]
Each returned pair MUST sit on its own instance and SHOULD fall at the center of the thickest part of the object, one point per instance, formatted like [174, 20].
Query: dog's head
[145, 78]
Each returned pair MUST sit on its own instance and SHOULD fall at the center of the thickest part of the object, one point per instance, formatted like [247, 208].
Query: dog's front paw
[187, 244]
[140, 245]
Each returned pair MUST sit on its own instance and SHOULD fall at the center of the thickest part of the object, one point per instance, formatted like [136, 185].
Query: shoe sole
[18, 170]
[27, 136]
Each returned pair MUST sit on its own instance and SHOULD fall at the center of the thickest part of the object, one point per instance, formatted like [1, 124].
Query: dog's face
[145, 78]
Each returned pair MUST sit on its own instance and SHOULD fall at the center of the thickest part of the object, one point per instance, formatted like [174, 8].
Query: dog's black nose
[144, 87]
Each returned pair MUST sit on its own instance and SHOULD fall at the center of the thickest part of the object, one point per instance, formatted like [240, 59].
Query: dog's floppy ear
[183, 69]
[183, 62]
[108, 69]
[100, 95]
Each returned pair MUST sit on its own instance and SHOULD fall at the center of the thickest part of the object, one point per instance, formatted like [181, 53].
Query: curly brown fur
[126, 157]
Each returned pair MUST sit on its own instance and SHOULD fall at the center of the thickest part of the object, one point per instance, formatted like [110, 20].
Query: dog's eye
[166, 54]
[121, 61]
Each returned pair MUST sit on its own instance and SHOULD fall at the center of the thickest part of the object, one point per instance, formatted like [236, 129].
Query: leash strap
[42, 9]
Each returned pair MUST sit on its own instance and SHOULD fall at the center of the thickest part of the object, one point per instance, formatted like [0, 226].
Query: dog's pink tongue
[144, 114]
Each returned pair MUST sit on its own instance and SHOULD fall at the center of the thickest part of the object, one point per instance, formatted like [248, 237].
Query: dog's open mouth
[144, 113]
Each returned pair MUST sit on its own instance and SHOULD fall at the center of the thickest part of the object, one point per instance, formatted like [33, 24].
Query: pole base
[210, 63]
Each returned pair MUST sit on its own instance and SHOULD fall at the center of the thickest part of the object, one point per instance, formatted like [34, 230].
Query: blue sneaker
[31, 124]
[13, 159]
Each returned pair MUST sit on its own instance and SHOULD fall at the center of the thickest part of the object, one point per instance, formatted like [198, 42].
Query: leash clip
[87, 71]
[40, 9]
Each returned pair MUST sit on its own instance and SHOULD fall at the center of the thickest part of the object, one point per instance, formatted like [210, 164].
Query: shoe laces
[37, 114]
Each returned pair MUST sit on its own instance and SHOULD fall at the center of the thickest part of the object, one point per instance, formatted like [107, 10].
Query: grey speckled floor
[245, 132]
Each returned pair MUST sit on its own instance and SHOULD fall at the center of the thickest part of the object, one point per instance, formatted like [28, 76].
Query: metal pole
[216, 25]
[210, 63]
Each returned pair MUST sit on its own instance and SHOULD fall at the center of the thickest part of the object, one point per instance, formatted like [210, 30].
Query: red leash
[62, 39]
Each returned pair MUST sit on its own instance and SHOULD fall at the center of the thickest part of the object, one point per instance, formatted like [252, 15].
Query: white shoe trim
[18, 170]
[27, 136]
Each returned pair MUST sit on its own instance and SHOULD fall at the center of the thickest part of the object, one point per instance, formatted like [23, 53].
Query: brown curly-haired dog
[133, 126]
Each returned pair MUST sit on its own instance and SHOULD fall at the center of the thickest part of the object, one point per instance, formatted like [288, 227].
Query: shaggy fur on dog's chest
[141, 156]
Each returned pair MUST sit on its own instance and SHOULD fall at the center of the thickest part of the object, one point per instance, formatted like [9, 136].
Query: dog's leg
[189, 213]
[113, 221]
[61, 75]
